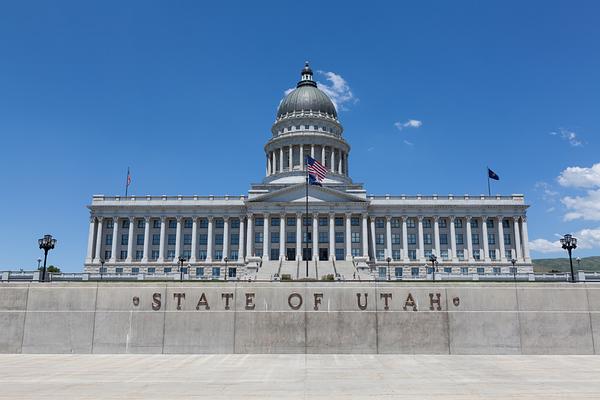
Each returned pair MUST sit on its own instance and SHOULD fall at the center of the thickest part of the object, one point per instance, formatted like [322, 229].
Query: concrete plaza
[298, 377]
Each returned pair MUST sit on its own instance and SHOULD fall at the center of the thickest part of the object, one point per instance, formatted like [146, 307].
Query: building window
[307, 237]
[339, 237]
[155, 254]
[379, 223]
[172, 223]
[458, 223]
[444, 254]
[109, 224]
[427, 253]
[156, 223]
[235, 239]
[107, 255]
[507, 239]
[203, 223]
[124, 240]
[395, 222]
[233, 255]
[464, 270]
[219, 239]
[139, 254]
[219, 223]
[395, 238]
[125, 223]
[171, 239]
[322, 221]
[496, 270]
[505, 223]
[187, 223]
[379, 238]
[508, 254]
[410, 223]
[448, 270]
[475, 238]
[291, 221]
[491, 238]
[139, 240]
[396, 255]
[306, 221]
[414, 271]
[119, 270]
[490, 223]
[355, 237]
[459, 238]
[427, 238]
[356, 252]
[476, 254]
[474, 223]
[355, 221]
[170, 254]
[167, 270]
[291, 237]
[203, 238]
[443, 238]
[442, 222]
[186, 254]
[258, 237]
[492, 254]
[426, 223]
[135, 271]
[275, 221]
[412, 254]
[151, 271]
[259, 221]
[218, 254]
[199, 271]
[235, 223]
[274, 237]
[339, 254]
[202, 255]
[123, 254]
[460, 254]
[216, 272]
[274, 254]
[380, 255]
[412, 238]
[323, 237]
[108, 240]
[141, 223]
[187, 239]
[480, 270]
[339, 221]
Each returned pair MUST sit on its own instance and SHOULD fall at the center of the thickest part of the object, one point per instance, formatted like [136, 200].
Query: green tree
[51, 268]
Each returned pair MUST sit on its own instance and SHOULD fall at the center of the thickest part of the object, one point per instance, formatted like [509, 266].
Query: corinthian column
[99, 241]
[90, 247]
[146, 239]
[421, 255]
[241, 240]
[194, 248]
[265, 236]
[225, 237]
[348, 238]
[115, 235]
[249, 238]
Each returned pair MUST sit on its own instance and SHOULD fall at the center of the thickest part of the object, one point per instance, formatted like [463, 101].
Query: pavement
[298, 376]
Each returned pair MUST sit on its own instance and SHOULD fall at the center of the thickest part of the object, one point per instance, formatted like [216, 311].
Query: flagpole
[488, 175]
[306, 225]
[127, 182]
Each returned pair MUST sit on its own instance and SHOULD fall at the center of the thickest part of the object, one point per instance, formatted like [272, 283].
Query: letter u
[362, 306]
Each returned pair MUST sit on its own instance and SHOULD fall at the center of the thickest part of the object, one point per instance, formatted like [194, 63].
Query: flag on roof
[316, 171]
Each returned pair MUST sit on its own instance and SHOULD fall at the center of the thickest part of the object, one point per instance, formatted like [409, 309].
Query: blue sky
[185, 94]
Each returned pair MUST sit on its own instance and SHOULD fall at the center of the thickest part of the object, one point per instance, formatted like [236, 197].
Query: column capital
[468, 218]
[515, 218]
[499, 217]
[241, 217]
[179, 218]
[420, 218]
[163, 218]
[524, 219]
[331, 215]
[100, 219]
[299, 214]
[282, 216]
[388, 218]
[249, 215]
[92, 219]
[403, 218]
[147, 219]
[348, 215]
[452, 218]
[436, 218]
[210, 218]
[225, 218]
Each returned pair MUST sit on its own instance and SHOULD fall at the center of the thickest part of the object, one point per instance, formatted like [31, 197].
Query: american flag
[128, 178]
[316, 169]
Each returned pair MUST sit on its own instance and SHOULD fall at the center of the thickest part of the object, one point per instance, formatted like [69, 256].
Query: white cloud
[406, 142]
[569, 136]
[585, 207]
[587, 238]
[337, 89]
[580, 177]
[371, 148]
[411, 123]
[548, 194]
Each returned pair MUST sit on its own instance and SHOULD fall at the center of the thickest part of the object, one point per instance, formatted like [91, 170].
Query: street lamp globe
[46, 243]
[569, 243]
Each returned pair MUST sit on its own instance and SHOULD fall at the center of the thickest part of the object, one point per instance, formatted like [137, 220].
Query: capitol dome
[306, 97]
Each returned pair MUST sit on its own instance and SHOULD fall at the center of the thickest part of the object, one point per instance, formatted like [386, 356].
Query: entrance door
[306, 253]
[291, 254]
[323, 254]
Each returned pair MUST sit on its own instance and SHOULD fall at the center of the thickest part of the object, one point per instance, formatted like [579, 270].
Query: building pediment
[316, 194]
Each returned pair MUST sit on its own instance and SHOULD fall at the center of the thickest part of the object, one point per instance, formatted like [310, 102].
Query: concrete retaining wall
[469, 318]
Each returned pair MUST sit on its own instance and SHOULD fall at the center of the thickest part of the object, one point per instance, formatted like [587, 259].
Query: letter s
[156, 301]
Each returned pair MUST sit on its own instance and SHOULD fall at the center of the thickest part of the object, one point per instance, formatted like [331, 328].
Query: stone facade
[346, 233]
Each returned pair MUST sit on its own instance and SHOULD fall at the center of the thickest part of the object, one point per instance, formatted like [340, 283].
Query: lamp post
[226, 269]
[513, 261]
[569, 243]
[578, 261]
[101, 267]
[39, 260]
[181, 261]
[433, 260]
[388, 269]
[46, 243]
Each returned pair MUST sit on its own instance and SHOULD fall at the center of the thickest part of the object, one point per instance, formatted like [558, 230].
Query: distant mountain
[545, 265]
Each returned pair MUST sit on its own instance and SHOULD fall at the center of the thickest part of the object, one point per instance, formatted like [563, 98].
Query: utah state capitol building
[262, 235]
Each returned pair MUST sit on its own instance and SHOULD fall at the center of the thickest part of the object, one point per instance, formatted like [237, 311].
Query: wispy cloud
[408, 143]
[587, 238]
[580, 177]
[411, 123]
[371, 148]
[569, 136]
[337, 89]
[587, 205]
